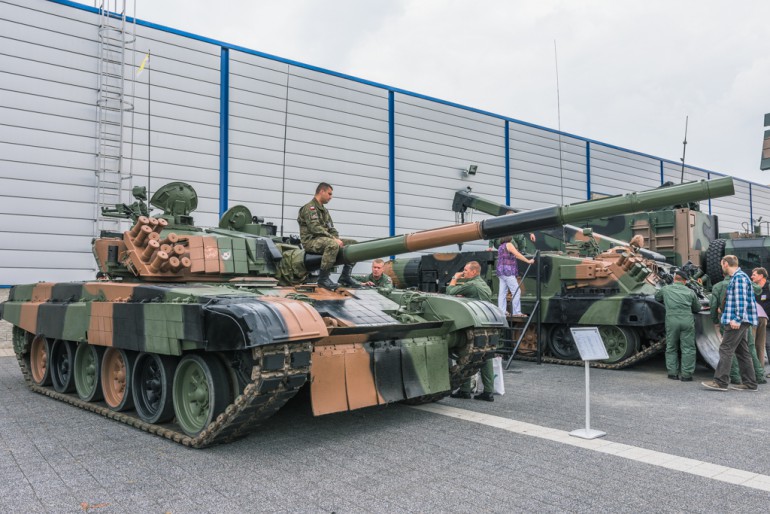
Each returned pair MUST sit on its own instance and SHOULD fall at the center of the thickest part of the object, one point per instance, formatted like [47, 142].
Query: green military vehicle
[585, 280]
[200, 334]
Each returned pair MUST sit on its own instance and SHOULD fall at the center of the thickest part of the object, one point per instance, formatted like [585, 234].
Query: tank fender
[464, 312]
[235, 324]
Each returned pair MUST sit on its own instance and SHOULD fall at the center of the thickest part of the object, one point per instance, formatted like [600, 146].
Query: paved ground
[54, 458]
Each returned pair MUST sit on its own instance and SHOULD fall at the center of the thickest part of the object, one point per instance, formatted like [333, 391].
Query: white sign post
[591, 347]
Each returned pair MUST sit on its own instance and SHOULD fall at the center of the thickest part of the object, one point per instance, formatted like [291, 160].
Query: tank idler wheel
[151, 385]
[201, 392]
[561, 344]
[116, 378]
[39, 353]
[88, 368]
[621, 342]
[63, 366]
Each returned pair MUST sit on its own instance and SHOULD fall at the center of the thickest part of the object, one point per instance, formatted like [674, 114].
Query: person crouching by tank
[681, 302]
[507, 272]
[318, 235]
[468, 283]
[740, 314]
[377, 278]
[759, 277]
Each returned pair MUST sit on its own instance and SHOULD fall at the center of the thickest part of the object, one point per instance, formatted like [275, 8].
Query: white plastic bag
[497, 366]
[477, 385]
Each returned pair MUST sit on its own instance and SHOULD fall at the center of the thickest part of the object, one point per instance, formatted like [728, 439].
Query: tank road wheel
[561, 344]
[621, 342]
[116, 382]
[151, 384]
[714, 254]
[88, 368]
[39, 353]
[63, 366]
[201, 392]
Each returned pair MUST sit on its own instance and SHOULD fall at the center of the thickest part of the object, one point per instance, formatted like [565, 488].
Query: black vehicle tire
[714, 254]
[152, 384]
[62, 364]
[561, 344]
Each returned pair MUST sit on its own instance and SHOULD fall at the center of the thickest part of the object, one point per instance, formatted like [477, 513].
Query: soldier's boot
[346, 280]
[325, 282]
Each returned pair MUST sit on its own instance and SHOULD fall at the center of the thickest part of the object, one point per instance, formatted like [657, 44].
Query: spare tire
[714, 254]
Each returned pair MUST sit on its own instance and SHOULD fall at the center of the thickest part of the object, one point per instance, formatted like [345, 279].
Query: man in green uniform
[318, 235]
[717, 301]
[377, 278]
[681, 302]
[468, 283]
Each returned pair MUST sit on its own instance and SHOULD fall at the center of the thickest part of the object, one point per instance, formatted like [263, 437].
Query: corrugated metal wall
[243, 127]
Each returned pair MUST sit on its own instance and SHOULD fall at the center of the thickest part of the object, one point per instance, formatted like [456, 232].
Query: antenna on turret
[684, 147]
[149, 126]
[558, 116]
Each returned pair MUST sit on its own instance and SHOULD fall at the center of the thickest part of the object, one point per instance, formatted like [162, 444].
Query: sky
[629, 73]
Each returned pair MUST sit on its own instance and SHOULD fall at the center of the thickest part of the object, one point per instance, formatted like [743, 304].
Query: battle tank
[594, 280]
[200, 334]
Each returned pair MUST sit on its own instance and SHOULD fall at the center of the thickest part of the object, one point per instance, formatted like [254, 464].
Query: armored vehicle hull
[203, 364]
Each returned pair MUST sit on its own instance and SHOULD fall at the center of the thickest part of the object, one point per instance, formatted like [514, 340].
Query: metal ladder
[116, 37]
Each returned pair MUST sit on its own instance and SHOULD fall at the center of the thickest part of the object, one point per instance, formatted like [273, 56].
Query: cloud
[629, 72]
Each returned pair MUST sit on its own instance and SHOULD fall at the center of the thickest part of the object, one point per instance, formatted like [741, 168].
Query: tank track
[468, 361]
[648, 352]
[260, 398]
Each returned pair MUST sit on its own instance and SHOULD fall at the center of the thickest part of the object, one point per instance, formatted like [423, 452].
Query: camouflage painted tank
[595, 281]
[198, 335]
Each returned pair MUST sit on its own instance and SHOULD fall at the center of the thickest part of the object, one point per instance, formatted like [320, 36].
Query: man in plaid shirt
[738, 315]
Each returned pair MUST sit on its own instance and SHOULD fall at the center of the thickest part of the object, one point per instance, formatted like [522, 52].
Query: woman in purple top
[507, 271]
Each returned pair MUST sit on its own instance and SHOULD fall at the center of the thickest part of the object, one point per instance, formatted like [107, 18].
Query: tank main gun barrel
[465, 200]
[538, 219]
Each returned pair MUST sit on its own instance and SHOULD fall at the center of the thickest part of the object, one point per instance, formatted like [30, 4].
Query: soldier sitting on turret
[318, 235]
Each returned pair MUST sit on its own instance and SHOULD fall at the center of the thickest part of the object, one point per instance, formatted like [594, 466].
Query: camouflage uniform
[681, 302]
[478, 289]
[317, 233]
[718, 293]
[383, 283]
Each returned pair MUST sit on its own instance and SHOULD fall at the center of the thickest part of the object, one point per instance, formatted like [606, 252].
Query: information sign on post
[591, 347]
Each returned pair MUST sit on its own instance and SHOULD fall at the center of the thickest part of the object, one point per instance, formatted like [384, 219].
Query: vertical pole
[588, 170]
[224, 132]
[751, 210]
[708, 176]
[507, 163]
[392, 162]
[662, 177]
[588, 399]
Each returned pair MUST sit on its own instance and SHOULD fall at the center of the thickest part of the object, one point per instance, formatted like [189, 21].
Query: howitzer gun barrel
[537, 219]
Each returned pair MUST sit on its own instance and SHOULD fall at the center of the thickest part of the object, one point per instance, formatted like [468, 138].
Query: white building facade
[247, 128]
